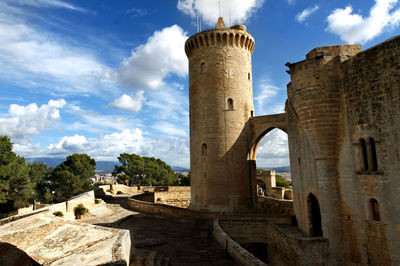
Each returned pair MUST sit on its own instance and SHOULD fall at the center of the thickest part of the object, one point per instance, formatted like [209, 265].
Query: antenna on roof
[197, 20]
[219, 8]
[230, 17]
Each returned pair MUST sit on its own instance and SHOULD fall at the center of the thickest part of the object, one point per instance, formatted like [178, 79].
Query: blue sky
[106, 77]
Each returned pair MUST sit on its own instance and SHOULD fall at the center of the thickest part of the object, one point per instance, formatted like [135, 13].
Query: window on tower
[203, 67]
[204, 149]
[230, 104]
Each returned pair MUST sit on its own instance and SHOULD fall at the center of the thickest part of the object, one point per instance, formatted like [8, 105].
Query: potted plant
[79, 211]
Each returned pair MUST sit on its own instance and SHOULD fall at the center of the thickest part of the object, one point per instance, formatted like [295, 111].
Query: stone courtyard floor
[160, 240]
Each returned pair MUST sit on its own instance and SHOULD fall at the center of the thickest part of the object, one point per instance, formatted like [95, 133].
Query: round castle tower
[221, 103]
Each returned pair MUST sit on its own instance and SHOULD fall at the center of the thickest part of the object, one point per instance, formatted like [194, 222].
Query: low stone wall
[172, 196]
[21, 216]
[273, 206]
[177, 198]
[171, 211]
[66, 207]
[286, 244]
[147, 197]
[237, 252]
[87, 199]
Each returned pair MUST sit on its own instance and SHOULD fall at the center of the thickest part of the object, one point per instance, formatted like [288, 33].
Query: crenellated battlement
[236, 36]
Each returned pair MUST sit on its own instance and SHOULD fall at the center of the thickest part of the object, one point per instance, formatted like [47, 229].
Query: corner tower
[221, 103]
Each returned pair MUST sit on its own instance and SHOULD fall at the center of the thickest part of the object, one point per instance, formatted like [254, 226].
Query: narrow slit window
[204, 149]
[251, 113]
[364, 154]
[230, 104]
[203, 67]
[375, 210]
[373, 154]
[248, 76]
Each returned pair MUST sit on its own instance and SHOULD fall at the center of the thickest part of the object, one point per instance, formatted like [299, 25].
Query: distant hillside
[103, 166]
[281, 169]
[50, 162]
[180, 169]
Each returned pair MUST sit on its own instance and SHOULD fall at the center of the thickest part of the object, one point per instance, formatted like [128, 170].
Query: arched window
[230, 104]
[373, 154]
[204, 149]
[251, 113]
[203, 67]
[375, 215]
[205, 175]
[364, 154]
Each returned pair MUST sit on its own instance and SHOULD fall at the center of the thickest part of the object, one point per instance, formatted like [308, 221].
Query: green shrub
[58, 213]
[282, 182]
[80, 209]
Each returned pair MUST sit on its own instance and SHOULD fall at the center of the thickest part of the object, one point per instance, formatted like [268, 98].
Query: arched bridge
[260, 126]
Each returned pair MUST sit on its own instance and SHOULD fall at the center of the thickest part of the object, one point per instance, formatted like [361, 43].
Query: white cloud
[149, 64]
[91, 121]
[237, 10]
[25, 122]
[303, 15]
[173, 150]
[169, 129]
[273, 150]
[267, 100]
[353, 28]
[45, 3]
[33, 58]
[291, 2]
[129, 103]
[74, 143]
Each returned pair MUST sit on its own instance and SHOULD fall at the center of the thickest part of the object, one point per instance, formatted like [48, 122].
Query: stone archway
[262, 125]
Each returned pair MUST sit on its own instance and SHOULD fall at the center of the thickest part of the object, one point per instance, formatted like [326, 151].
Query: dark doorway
[315, 216]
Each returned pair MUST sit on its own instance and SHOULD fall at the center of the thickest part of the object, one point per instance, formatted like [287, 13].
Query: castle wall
[313, 112]
[344, 123]
[221, 103]
[370, 89]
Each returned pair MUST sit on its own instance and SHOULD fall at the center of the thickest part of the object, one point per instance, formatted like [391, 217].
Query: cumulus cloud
[131, 103]
[273, 150]
[104, 147]
[25, 122]
[237, 10]
[149, 64]
[303, 15]
[354, 28]
[291, 2]
[109, 147]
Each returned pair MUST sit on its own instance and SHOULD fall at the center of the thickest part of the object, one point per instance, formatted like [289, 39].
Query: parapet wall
[66, 207]
[273, 206]
[285, 244]
[171, 211]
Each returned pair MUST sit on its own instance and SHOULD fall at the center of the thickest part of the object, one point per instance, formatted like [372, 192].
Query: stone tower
[221, 103]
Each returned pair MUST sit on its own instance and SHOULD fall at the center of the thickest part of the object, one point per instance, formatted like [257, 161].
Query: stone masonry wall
[370, 89]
